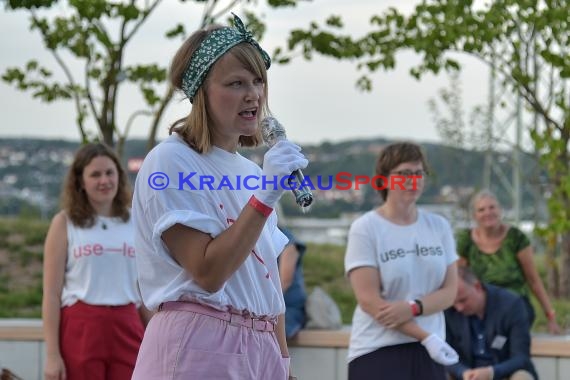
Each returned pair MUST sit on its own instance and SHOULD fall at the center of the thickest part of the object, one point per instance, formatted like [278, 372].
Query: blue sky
[316, 101]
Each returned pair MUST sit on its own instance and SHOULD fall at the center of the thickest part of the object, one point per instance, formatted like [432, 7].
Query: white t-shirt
[100, 268]
[412, 261]
[189, 200]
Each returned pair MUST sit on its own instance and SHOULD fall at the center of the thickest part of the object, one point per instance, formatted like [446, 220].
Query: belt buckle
[271, 325]
[239, 320]
[264, 325]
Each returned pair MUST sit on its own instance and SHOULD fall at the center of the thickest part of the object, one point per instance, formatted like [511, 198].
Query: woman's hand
[482, 373]
[553, 327]
[279, 162]
[54, 368]
[393, 314]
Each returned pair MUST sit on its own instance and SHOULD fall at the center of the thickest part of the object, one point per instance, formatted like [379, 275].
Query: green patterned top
[500, 268]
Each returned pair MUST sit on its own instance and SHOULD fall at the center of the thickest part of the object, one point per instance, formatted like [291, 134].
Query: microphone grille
[272, 131]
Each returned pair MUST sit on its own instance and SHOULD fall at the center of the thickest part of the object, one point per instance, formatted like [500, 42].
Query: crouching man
[489, 328]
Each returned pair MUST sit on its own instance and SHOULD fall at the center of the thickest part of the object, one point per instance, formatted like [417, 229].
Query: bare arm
[145, 314]
[281, 337]
[443, 297]
[55, 256]
[434, 302]
[287, 265]
[211, 262]
[526, 261]
[398, 314]
[365, 282]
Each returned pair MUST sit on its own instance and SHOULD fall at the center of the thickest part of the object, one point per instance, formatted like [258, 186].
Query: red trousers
[100, 342]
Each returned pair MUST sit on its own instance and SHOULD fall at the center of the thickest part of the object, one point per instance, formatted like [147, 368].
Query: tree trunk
[120, 148]
[151, 141]
[108, 136]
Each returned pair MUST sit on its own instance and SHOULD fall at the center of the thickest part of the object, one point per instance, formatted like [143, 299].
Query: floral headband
[218, 42]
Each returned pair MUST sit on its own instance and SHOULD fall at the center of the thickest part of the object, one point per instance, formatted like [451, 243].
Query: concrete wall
[550, 355]
[316, 355]
[22, 347]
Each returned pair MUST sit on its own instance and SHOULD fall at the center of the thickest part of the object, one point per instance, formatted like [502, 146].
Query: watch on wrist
[415, 308]
[420, 306]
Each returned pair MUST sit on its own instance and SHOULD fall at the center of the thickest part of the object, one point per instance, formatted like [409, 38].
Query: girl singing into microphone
[207, 258]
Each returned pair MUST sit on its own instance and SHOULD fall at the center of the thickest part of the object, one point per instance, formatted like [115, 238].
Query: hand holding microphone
[274, 135]
[279, 161]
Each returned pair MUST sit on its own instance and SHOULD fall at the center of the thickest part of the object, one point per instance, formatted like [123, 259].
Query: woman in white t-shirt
[92, 329]
[207, 240]
[401, 262]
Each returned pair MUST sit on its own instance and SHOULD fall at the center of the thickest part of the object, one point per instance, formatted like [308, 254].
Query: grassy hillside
[21, 250]
[37, 167]
[323, 265]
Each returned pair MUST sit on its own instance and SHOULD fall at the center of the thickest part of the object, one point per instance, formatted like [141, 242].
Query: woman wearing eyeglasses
[401, 263]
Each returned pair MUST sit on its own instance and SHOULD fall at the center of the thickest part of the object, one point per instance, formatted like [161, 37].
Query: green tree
[526, 41]
[448, 114]
[96, 34]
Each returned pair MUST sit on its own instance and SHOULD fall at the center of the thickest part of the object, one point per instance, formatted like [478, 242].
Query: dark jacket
[505, 316]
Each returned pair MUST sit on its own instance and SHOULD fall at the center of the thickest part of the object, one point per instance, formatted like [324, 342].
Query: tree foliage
[526, 41]
[96, 34]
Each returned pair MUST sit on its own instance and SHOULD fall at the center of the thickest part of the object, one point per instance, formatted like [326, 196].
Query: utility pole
[516, 188]
[496, 136]
[489, 129]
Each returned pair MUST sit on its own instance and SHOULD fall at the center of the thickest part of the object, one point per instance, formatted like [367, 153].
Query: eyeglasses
[409, 173]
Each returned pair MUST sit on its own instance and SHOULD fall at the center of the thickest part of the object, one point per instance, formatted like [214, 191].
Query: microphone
[272, 132]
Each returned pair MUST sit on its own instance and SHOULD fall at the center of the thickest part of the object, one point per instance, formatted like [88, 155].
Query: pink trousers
[186, 345]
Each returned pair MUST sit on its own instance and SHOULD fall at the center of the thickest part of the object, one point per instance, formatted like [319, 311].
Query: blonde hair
[196, 128]
[484, 193]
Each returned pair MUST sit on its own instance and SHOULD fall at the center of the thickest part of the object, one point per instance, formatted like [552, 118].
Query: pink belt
[231, 318]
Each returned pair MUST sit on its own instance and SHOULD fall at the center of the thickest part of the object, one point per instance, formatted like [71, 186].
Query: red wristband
[415, 308]
[551, 315]
[420, 306]
[259, 206]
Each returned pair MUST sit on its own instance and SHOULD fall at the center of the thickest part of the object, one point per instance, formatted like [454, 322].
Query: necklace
[103, 223]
